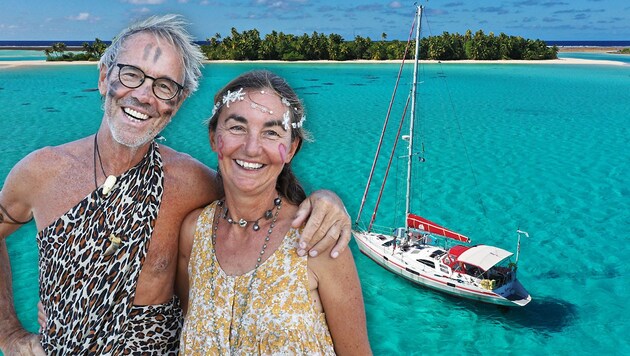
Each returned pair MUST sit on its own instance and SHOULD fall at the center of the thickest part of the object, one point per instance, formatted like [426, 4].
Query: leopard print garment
[87, 295]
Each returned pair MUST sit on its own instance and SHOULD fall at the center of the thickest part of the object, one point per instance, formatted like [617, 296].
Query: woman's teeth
[249, 165]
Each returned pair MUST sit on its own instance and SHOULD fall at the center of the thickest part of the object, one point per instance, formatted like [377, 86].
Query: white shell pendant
[114, 246]
[108, 185]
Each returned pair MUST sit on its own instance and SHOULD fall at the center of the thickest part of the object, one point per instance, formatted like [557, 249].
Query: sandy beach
[9, 64]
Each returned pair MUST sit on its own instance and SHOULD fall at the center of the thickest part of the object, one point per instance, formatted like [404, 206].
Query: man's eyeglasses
[133, 77]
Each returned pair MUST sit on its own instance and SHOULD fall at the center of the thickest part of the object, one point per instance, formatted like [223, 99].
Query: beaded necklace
[243, 223]
[221, 203]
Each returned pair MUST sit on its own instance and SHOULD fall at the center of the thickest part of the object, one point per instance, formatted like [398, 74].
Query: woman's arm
[339, 290]
[186, 239]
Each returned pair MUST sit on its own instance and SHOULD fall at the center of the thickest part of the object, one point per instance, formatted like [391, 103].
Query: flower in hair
[300, 123]
[286, 118]
[231, 97]
[215, 108]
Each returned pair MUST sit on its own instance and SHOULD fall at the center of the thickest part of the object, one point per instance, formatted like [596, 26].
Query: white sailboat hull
[404, 261]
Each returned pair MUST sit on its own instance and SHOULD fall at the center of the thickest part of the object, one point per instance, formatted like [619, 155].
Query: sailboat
[429, 254]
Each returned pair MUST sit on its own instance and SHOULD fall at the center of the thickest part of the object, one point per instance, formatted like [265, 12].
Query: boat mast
[519, 232]
[413, 114]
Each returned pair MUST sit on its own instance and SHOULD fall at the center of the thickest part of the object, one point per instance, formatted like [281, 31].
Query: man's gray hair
[170, 27]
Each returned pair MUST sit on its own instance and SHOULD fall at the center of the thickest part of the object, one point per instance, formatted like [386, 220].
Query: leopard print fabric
[87, 295]
[154, 329]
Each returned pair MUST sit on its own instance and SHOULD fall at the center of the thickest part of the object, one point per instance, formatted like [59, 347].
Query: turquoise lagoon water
[549, 149]
[7, 55]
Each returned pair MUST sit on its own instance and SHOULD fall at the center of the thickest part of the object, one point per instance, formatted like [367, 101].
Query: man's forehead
[151, 53]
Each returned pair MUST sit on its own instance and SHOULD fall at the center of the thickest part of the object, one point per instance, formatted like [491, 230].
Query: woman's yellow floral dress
[276, 316]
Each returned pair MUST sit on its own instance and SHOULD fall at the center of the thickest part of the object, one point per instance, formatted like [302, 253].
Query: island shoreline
[570, 49]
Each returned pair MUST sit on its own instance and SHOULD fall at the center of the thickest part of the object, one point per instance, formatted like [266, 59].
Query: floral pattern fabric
[268, 311]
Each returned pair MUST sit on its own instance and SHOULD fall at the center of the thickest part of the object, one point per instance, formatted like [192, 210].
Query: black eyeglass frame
[145, 76]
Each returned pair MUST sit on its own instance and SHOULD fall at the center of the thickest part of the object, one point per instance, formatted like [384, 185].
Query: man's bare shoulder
[189, 176]
[184, 165]
[51, 160]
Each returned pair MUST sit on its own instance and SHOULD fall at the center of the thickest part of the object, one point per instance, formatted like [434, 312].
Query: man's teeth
[248, 165]
[136, 115]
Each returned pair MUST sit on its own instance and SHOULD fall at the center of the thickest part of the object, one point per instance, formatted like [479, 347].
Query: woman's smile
[249, 165]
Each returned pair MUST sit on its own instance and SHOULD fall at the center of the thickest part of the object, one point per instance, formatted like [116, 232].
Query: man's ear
[183, 98]
[102, 80]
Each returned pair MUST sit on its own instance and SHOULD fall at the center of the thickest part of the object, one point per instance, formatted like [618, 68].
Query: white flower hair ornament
[299, 124]
[229, 97]
[239, 95]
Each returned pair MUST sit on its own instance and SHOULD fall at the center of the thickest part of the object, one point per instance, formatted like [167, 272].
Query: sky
[81, 20]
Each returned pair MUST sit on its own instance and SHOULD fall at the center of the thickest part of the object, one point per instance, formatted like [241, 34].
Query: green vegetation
[248, 45]
[279, 46]
[624, 51]
[91, 52]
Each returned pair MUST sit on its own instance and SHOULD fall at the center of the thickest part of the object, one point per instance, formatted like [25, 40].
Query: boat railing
[500, 276]
[417, 236]
[385, 230]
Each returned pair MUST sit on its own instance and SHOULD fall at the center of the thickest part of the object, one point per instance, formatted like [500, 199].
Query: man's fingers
[313, 228]
[342, 242]
[328, 224]
[302, 214]
[328, 240]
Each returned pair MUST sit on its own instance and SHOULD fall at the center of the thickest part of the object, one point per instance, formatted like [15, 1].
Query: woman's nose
[252, 144]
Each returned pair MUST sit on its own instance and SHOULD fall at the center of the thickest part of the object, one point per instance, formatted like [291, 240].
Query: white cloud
[142, 10]
[395, 5]
[83, 16]
[146, 2]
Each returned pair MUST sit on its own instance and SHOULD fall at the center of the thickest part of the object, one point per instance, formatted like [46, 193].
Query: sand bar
[10, 64]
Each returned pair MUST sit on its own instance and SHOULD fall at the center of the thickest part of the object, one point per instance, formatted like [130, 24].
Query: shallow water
[548, 147]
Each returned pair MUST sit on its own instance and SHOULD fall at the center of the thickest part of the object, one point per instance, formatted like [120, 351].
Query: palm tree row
[248, 45]
[91, 52]
[279, 46]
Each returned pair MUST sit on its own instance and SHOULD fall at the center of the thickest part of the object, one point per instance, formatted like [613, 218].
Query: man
[109, 208]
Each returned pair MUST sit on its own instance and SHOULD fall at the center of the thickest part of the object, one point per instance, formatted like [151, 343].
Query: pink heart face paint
[282, 149]
[220, 145]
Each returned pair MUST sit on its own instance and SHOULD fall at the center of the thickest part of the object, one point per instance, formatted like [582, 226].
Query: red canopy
[418, 222]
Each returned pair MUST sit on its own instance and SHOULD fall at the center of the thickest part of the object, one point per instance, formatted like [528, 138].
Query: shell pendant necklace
[107, 187]
[243, 223]
[277, 205]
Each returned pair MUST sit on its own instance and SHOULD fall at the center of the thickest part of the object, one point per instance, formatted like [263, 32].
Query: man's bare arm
[14, 339]
[14, 198]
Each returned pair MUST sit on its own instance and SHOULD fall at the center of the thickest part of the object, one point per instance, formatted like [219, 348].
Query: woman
[243, 286]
